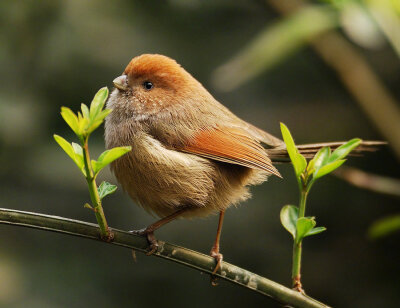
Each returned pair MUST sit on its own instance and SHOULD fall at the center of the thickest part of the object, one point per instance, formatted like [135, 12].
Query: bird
[191, 156]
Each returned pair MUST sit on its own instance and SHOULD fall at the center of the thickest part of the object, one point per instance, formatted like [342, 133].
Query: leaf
[99, 120]
[77, 149]
[328, 168]
[301, 164]
[342, 151]
[287, 137]
[65, 145]
[318, 160]
[98, 102]
[85, 111]
[315, 230]
[72, 151]
[71, 119]
[304, 226]
[106, 189]
[109, 156]
[289, 215]
[298, 160]
[88, 206]
[79, 157]
[384, 226]
[103, 114]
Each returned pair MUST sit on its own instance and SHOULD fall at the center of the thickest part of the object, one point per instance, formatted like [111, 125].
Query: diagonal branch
[166, 251]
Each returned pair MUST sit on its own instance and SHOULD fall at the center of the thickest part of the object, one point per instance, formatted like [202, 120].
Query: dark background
[59, 53]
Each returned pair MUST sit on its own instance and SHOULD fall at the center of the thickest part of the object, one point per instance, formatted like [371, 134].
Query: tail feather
[280, 154]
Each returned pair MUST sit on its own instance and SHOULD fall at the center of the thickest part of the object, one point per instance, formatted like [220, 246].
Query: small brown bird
[190, 155]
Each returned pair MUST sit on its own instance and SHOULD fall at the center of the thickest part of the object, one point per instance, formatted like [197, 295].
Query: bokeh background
[267, 67]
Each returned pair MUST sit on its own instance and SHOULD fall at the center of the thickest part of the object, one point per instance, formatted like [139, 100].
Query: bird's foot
[218, 258]
[151, 239]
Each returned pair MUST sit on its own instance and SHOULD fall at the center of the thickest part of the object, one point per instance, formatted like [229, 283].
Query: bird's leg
[149, 231]
[215, 249]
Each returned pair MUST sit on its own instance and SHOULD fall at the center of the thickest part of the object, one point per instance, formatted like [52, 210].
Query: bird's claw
[218, 258]
[151, 239]
[153, 247]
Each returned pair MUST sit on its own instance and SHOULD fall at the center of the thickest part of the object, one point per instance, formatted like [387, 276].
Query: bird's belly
[163, 181]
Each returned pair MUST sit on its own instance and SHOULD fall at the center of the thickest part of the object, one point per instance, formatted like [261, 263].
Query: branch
[372, 182]
[166, 251]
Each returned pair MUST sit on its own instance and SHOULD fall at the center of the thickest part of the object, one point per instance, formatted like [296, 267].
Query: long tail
[280, 155]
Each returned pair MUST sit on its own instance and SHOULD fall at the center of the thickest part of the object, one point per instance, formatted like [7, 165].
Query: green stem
[297, 247]
[105, 232]
[303, 199]
[296, 278]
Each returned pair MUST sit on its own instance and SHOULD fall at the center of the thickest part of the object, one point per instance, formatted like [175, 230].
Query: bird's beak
[120, 83]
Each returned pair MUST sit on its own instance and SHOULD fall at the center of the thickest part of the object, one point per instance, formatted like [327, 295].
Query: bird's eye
[148, 85]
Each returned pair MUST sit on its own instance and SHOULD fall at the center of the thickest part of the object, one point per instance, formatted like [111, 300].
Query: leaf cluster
[324, 162]
[83, 124]
[301, 227]
[87, 120]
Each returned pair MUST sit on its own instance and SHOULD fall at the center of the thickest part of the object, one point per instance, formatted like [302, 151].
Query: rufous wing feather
[230, 145]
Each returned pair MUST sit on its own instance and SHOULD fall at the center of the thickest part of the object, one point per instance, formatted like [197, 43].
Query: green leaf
[98, 102]
[103, 114]
[105, 189]
[384, 226]
[94, 125]
[304, 226]
[77, 149]
[298, 160]
[85, 111]
[71, 119]
[88, 206]
[65, 145]
[301, 164]
[342, 151]
[79, 157]
[99, 120]
[109, 156]
[315, 230]
[84, 125]
[72, 151]
[324, 170]
[289, 215]
[287, 137]
[319, 160]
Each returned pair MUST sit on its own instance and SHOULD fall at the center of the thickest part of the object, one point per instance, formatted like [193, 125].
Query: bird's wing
[262, 136]
[252, 131]
[230, 145]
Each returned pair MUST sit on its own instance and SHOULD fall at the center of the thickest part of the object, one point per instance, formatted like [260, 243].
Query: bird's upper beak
[121, 83]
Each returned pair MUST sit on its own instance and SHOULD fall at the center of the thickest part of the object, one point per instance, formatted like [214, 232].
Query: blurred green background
[59, 53]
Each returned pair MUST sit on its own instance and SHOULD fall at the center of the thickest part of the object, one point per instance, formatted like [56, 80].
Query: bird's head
[150, 84]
